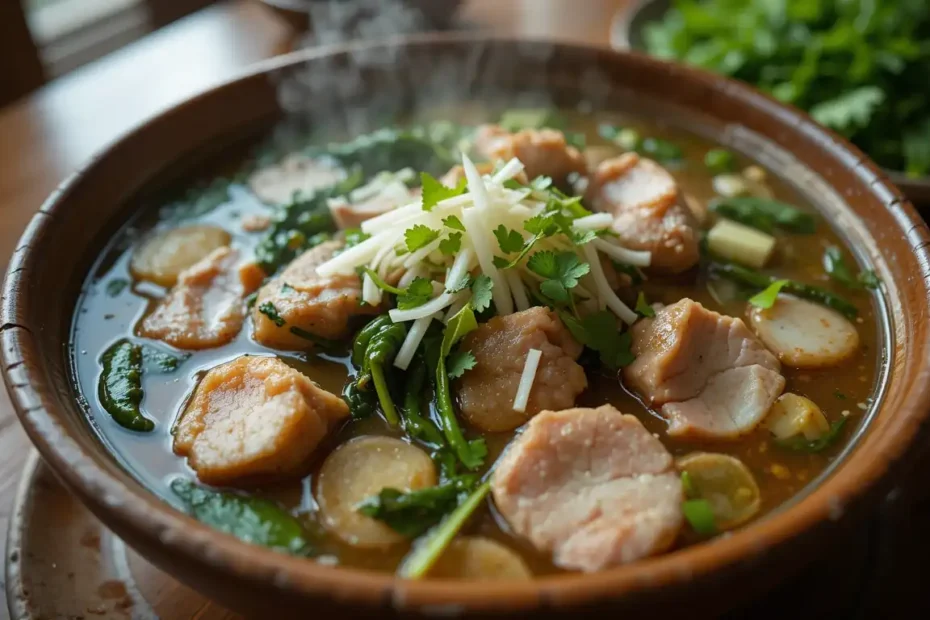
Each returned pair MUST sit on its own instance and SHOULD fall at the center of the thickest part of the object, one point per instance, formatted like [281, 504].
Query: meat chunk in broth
[254, 418]
[304, 302]
[543, 152]
[708, 374]
[205, 308]
[648, 210]
[500, 347]
[591, 486]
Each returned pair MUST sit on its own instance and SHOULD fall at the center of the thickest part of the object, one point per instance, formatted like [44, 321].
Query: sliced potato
[803, 334]
[793, 415]
[359, 469]
[163, 256]
[474, 557]
[726, 483]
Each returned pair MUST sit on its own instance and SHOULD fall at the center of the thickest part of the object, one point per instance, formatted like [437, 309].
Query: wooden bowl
[62, 240]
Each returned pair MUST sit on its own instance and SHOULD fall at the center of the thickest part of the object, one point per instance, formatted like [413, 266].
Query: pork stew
[534, 342]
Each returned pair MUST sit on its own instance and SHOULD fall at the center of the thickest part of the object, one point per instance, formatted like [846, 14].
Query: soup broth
[116, 301]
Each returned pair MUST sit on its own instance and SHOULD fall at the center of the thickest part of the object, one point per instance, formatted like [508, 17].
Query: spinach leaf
[250, 519]
[120, 386]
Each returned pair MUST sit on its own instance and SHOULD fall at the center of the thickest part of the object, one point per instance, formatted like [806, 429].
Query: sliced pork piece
[591, 486]
[295, 174]
[648, 210]
[707, 373]
[205, 308]
[543, 152]
[254, 418]
[299, 301]
[500, 346]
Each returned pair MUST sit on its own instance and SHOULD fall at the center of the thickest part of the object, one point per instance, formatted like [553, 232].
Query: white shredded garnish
[417, 271]
[624, 255]
[412, 341]
[595, 221]
[511, 169]
[526, 380]
[477, 231]
[516, 286]
[476, 187]
[371, 294]
[606, 293]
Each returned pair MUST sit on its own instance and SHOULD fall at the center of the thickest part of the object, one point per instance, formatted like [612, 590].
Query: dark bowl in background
[627, 34]
[437, 14]
[62, 241]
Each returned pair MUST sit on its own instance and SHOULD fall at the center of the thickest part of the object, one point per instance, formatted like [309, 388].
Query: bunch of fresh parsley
[858, 66]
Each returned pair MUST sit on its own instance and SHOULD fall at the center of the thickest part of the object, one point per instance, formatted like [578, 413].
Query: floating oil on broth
[108, 312]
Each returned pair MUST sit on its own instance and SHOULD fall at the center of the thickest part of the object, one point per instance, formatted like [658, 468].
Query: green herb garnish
[766, 298]
[764, 214]
[418, 293]
[481, 293]
[269, 310]
[642, 306]
[719, 161]
[836, 267]
[454, 223]
[373, 351]
[451, 245]
[435, 192]
[419, 236]
[700, 516]
[120, 386]
[116, 286]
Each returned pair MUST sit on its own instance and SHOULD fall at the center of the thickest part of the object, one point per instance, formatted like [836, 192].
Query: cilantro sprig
[435, 192]
[561, 272]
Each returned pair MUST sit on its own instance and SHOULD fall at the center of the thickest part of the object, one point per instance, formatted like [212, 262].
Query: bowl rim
[146, 515]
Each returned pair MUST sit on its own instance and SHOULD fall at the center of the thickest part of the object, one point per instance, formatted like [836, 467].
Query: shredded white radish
[412, 341]
[624, 255]
[380, 222]
[456, 307]
[431, 307]
[511, 169]
[417, 271]
[477, 232]
[371, 294]
[516, 287]
[347, 261]
[595, 221]
[603, 288]
[476, 187]
[459, 268]
[526, 380]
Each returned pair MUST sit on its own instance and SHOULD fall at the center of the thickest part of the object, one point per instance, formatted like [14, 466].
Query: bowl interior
[350, 86]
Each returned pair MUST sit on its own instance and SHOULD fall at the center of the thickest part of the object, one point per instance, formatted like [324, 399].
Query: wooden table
[49, 134]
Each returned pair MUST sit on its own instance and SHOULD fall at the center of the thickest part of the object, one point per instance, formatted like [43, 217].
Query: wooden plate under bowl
[370, 79]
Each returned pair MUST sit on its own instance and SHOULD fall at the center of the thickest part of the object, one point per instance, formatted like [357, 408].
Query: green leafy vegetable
[373, 352]
[270, 311]
[454, 223]
[419, 236]
[156, 360]
[764, 214]
[116, 286]
[418, 293]
[510, 241]
[719, 161]
[857, 66]
[662, 150]
[435, 192]
[642, 306]
[250, 519]
[835, 265]
[427, 148]
[300, 225]
[361, 399]
[120, 386]
[412, 513]
[470, 453]
[561, 271]
[700, 516]
[766, 298]
[599, 332]
[758, 281]
[481, 294]
[414, 423]
[452, 244]
[800, 443]
[426, 551]
[458, 362]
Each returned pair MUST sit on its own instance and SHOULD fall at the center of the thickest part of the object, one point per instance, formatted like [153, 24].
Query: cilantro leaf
[570, 269]
[766, 299]
[451, 244]
[510, 241]
[555, 290]
[461, 285]
[435, 192]
[419, 236]
[418, 293]
[481, 293]
[599, 332]
[543, 264]
[541, 224]
[453, 222]
[642, 306]
[458, 362]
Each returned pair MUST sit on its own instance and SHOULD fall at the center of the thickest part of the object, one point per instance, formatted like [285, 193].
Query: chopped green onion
[700, 516]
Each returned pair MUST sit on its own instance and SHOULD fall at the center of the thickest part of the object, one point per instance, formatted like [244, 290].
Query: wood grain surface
[51, 133]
